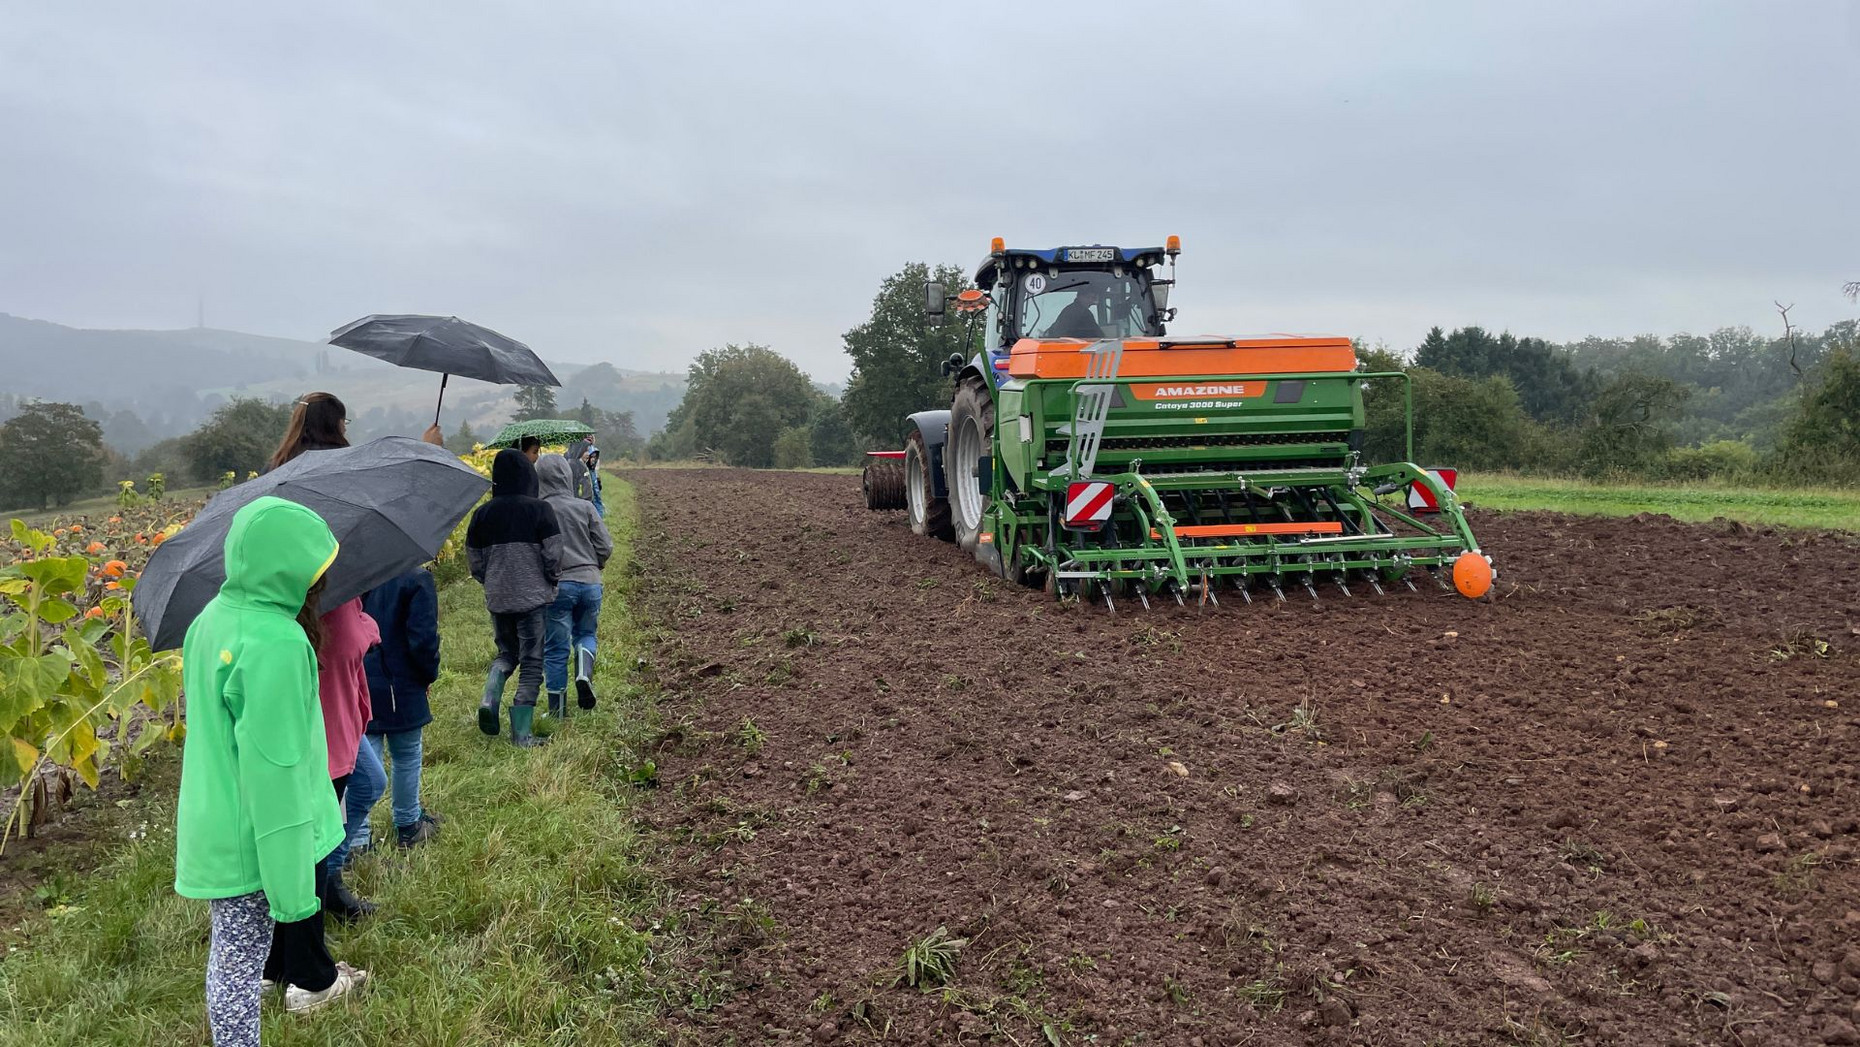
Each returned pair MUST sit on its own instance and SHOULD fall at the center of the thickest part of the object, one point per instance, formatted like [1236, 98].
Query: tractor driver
[1076, 320]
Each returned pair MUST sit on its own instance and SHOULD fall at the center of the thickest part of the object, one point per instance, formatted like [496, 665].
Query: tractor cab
[1084, 293]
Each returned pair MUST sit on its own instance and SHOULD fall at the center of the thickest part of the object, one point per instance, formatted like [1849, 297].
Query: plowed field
[1615, 805]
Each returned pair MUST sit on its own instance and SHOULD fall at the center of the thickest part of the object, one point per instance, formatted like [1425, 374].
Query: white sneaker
[348, 980]
[266, 985]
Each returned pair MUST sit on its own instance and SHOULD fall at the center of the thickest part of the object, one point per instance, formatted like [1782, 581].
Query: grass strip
[1820, 508]
[532, 919]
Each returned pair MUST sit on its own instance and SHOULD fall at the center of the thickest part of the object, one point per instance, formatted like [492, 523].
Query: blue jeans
[572, 617]
[366, 784]
[595, 487]
[403, 750]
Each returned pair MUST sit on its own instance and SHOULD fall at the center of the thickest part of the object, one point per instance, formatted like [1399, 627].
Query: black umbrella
[391, 503]
[448, 345]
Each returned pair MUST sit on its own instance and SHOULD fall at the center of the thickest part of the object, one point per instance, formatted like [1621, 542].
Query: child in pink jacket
[342, 685]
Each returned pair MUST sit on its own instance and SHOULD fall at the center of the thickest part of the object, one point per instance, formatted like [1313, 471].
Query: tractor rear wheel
[929, 514]
[971, 438]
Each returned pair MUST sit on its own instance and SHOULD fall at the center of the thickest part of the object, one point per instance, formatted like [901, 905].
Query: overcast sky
[639, 182]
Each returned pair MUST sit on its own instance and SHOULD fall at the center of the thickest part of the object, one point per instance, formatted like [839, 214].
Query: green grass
[1827, 508]
[532, 919]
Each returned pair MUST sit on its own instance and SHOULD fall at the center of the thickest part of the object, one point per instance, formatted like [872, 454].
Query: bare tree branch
[1789, 332]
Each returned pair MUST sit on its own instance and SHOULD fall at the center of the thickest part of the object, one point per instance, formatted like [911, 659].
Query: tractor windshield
[1085, 304]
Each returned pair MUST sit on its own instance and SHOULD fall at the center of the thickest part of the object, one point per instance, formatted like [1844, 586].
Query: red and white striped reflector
[1420, 499]
[1088, 503]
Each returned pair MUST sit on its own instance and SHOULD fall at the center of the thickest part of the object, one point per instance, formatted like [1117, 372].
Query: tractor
[1088, 450]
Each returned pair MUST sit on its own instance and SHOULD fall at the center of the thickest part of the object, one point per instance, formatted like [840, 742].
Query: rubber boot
[558, 704]
[341, 902]
[493, 696]
[521, 718]
[584, 677]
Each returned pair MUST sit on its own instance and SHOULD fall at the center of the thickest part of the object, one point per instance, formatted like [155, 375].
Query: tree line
[52, 453]
[1732, 405]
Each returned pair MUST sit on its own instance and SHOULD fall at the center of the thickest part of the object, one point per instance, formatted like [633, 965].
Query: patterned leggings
[235, 961]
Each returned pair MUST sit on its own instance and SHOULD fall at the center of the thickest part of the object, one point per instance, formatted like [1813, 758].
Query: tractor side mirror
[955, 363]
[1160, 292]
[934, 299]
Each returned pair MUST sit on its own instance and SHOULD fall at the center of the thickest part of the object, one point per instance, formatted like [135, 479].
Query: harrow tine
[1280, 592]
[1409, 582]
[1342, 584]
[1311, 588]
[1110, 605]
[1442, 582]
[1143, 596]
[1373, 583]
[1244, 595]
[1177, 590]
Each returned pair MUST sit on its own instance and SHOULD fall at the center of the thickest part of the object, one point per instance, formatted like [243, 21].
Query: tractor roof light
[997, 247]
[1173, 245]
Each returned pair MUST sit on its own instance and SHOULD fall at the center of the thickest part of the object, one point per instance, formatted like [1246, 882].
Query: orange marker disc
[1472, 575]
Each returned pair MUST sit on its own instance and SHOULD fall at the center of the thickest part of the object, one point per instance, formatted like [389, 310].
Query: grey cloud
[639, 182]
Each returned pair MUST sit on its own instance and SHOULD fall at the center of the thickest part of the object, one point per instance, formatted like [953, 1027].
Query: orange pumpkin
[94, 548]
[114, 569]
[95, 612]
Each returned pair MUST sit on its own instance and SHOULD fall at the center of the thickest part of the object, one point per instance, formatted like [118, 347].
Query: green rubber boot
[521, 719]
[493, 696]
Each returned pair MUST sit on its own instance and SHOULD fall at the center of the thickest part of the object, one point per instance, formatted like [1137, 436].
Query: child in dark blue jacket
[399, 672]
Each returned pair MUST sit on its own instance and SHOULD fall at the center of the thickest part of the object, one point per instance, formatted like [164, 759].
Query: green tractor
[1088, 450]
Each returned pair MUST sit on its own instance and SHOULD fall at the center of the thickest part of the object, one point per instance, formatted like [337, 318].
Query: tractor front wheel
[929, 514]
[971, 437]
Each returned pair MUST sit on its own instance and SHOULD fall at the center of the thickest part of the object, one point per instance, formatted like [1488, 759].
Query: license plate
[1090, 254]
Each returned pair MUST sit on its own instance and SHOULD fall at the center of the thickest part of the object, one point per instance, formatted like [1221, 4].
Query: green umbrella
[548, 430]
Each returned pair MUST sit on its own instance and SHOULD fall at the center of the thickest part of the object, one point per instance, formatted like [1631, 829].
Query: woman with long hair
[319, 422]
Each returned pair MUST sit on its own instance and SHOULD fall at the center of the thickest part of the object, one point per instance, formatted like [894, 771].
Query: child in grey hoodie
[586, 545]
[515, 549]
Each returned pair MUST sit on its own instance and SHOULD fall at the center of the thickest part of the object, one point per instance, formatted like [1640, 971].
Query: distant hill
[145, 386]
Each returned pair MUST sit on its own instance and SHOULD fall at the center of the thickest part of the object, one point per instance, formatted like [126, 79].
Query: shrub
[1721, 458]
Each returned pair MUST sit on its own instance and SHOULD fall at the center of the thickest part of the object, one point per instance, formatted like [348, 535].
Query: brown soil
[1614, 805]
[78, 834]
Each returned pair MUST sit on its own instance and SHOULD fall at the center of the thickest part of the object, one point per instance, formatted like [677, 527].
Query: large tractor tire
[971, 439]
[929, 514]
[884, 483]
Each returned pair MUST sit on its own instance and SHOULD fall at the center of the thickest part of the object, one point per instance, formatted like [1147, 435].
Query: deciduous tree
[898, 357]
[50, 453]
[239, 439]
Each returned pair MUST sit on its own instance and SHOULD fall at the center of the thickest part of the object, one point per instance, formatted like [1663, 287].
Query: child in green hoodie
[256, 813]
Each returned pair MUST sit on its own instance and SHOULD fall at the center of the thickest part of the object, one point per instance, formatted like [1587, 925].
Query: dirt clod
[1769, 843]
[1280, 793]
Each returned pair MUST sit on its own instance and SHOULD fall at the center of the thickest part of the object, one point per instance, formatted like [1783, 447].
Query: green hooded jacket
[256, 810]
